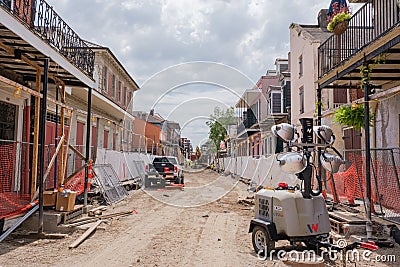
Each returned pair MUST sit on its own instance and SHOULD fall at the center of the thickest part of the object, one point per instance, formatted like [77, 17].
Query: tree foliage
[218, 124]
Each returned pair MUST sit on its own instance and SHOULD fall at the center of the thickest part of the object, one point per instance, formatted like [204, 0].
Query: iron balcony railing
[46, 23]
[370, 22]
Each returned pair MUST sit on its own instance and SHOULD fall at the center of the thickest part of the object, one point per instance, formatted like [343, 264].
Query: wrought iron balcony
[375, 19]
[41, 19]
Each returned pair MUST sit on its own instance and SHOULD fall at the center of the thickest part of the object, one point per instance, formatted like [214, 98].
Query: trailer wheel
[262, 242]
[312, 245]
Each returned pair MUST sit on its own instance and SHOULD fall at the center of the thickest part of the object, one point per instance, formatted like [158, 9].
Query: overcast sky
[154, 39]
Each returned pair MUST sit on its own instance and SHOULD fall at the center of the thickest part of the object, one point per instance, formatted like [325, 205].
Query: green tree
[218, 124]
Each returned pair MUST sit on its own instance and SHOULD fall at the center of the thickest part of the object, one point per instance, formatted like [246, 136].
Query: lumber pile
[96, 220]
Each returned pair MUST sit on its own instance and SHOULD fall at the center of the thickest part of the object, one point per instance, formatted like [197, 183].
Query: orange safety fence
[385, 185]
[76, 183]
[13, 192]
[15, 172]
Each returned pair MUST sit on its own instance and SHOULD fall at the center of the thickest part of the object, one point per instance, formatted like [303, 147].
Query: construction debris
[85, 235]
[111, 188]
[97, 211]
[248, 201]
[87, 220]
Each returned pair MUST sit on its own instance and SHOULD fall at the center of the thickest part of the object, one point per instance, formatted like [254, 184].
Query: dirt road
[211, 232]
[200, 226]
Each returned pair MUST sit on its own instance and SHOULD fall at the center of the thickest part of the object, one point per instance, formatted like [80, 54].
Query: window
[113, 86]
[105, 82]
[286, 96]
[7, 121]
[119, 91]
[301, 66]
[301, 94]
[339, 96]
[275, 102]
[124, 96]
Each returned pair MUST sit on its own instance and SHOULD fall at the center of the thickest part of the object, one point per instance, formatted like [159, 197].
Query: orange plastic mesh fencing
[15, 176]
[11, 197]
[7, 166]
[76, 183]
[385, 184]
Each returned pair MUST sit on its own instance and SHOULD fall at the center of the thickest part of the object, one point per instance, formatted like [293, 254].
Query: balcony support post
[368, 201]
[87, 156]
[319, 122]
[42, 139]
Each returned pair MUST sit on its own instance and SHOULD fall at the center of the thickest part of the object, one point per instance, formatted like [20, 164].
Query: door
[105, 140]
[352, 142]
[93, 142]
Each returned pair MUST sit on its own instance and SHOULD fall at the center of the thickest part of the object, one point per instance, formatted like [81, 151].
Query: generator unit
[295, 213]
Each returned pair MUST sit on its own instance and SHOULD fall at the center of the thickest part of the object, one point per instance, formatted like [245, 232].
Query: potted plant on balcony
[338, 17]
[352, 116]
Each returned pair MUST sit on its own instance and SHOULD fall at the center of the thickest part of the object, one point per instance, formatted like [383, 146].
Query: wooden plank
[53, 159]
[64, 166]
[85, 235]
[35, 151]
[346, 217]
[62, 152]
[98, 208]
[76, 152]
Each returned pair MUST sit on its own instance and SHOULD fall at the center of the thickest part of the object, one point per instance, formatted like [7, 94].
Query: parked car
[169, 168]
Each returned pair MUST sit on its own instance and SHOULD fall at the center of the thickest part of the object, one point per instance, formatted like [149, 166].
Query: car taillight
[166, 169]
[147, 168]
[175, 169]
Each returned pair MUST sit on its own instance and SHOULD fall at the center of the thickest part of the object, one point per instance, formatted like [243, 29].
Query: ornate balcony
[373, 30]
[42, 20]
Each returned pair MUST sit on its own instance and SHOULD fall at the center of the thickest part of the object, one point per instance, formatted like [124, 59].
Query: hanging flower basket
[352, 116]
[339, 23]
[338, 16]
[341, 27]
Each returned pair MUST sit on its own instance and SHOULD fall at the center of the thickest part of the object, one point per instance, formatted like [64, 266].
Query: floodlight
[284, 131]
[331, 162]
[292, 162]
[324, 133]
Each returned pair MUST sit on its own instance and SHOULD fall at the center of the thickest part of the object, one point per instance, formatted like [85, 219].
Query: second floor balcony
[40, 19]
[373, 35]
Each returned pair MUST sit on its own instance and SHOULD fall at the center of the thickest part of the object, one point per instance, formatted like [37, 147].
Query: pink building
[264, 105]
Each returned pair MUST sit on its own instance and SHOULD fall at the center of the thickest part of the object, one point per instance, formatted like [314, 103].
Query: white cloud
[148, 36]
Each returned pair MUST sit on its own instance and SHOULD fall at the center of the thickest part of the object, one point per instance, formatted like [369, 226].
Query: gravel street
[214, 233]
[202, 225]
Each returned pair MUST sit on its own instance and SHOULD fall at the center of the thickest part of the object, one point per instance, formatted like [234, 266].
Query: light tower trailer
[292, 213]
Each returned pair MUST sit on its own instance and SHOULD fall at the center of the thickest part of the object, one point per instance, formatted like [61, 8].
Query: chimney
[323, 19]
